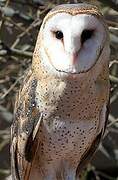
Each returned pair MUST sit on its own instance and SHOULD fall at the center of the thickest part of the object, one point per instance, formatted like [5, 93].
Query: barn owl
[61, 108]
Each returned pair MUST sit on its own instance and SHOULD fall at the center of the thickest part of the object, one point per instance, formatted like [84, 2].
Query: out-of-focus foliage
[20, 22]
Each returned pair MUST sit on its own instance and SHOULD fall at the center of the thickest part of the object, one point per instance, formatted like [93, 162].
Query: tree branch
[111, 3]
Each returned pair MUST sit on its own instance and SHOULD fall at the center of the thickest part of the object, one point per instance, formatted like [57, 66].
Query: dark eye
[86, 34]
[59, 35]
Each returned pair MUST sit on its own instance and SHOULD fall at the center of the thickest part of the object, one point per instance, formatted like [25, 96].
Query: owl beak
[74, 57]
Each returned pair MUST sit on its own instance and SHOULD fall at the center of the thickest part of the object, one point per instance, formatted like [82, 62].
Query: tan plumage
[60, 112]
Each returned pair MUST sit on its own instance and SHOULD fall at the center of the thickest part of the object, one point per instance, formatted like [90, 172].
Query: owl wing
[24, 129]
[87, 156]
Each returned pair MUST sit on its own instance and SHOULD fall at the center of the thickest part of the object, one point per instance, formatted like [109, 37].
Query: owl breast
[71, 120]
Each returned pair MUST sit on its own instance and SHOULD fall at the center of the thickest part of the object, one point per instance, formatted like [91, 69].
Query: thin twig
[112, 63]
[113, 28]
[104, 175]
[112, 123]
[15, 24]
[11, 88]
[17, 52]
[34, 24]
[110, 3]
[21, 52]
[114, 97]
[3, 19]
[111, 23]
[113, 79]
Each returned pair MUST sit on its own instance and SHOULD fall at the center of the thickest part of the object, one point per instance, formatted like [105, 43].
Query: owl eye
[59, 35]
[86, 34]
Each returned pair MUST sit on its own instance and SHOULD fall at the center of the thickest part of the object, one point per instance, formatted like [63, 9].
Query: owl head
[72, 39]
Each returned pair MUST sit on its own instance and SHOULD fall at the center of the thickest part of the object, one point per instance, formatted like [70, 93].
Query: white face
[73, 44]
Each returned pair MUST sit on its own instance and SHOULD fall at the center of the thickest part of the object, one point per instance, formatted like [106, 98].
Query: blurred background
[20, 21]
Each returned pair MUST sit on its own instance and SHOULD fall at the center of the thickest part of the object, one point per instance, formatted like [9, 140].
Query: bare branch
[111, 3]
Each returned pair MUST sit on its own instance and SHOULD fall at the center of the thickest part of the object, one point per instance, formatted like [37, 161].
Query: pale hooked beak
[74, 57]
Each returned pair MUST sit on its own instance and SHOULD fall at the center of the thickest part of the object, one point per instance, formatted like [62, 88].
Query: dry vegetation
[19, 24]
